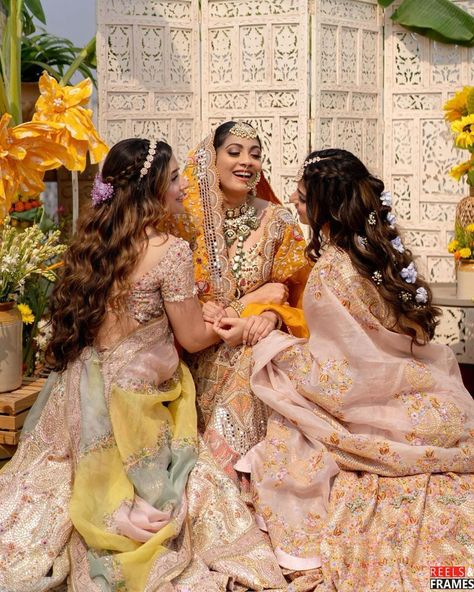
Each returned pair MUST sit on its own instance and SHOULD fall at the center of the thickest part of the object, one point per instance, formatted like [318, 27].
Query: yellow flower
[470, 227]
[465, 253]
[27, 315]
[457, 106]
[26, 152]
[462, 127]
[66, 105]
[452, 246]
[460, 169]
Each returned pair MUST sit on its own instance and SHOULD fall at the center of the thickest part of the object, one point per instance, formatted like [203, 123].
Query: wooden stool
[14, 407]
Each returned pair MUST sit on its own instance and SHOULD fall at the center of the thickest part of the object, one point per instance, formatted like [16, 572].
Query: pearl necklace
[238, 223]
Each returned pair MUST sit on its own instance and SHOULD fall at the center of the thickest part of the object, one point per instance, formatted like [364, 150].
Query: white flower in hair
[421, 295]
[397, 244]
[386, 198]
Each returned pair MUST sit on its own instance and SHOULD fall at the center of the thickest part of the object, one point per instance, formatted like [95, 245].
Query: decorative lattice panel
[148, 70]
[347, 78]
[255, 68]
[457, 330]
[420, 75]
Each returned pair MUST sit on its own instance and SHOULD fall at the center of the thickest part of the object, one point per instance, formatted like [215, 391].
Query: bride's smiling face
[238, 161]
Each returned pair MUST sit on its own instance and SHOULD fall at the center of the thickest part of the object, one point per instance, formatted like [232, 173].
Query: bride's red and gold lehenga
[231, 419]
[366, 470]
[110, 486]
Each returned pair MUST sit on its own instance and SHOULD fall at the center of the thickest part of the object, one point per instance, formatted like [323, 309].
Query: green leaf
[32, 215]
[385, 3]
[440, 20]
[34, 6]
[470, 176]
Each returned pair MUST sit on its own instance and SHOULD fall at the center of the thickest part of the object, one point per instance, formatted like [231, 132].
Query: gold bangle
[279, 319]
[238, 306]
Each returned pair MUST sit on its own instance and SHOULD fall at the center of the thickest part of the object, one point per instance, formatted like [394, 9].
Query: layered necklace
[238, 224]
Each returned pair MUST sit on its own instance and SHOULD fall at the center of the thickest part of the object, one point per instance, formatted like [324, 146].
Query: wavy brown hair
[342, 196]
[108, 242]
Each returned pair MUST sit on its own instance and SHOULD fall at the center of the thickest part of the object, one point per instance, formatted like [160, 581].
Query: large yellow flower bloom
[470, 227]
[452, 246]
[457, 106]
[465, 253]
[66, 105]
[465, 131]
[461, 169]
[26, 152]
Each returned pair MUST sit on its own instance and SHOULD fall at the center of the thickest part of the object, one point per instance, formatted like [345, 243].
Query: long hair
[106, 247]
[345, 200]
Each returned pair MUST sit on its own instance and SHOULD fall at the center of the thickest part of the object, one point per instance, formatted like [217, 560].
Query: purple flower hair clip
[101, 191]
[409, 274]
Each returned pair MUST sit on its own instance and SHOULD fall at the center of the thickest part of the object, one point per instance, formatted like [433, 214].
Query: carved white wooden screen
[420, 75]
[148, 75]
[255, 68]
[347, 78]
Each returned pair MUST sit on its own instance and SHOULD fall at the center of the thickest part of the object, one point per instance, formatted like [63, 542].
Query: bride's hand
[273, 292]
[258, 327]
[212, 311]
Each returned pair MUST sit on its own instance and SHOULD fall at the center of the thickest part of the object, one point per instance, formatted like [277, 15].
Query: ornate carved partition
[148, 70]
[347, 78]
[420, 75]
[255, 67]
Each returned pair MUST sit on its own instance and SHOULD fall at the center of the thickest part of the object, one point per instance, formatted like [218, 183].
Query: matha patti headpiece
[243, 130]
[149, 158]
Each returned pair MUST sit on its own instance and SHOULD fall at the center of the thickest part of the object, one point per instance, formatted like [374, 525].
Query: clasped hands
[249, 330]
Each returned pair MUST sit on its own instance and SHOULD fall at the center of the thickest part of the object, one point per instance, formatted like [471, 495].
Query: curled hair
[106, 247]
[222, 132]
[343, 198]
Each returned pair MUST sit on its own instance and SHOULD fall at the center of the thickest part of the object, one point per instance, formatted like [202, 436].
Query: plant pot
[465, 279]
[11, 352]
[29, 95]
[465, 209]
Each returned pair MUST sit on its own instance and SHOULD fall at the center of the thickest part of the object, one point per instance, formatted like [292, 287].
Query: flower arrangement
[460, 112]
[23, 254]
[462, 246]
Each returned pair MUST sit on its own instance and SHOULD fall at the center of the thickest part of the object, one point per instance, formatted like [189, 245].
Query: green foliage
[53, 54]
[440, 20]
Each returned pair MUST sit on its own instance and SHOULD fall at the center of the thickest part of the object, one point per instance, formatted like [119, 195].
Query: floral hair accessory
[372, 219]
[409, 274]
[101, 191]
[386, 198]
[421, 295]
[377, 277]
[362, 240]
[149, 158]
[391, 219]
[405, 296]
[397, 244]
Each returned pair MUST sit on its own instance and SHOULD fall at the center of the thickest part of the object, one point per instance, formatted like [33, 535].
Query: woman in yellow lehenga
[109, 486]
[249, 259]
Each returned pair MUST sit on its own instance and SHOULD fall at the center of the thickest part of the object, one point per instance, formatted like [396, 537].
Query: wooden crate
[14, 407]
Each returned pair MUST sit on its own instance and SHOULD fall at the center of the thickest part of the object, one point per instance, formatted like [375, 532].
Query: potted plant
[23, 255]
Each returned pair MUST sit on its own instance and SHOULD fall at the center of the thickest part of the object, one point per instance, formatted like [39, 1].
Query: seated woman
[366, 468]
[109, 486]
[247, 249]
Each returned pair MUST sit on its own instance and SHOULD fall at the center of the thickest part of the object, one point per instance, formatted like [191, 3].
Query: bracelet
[237, 306]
